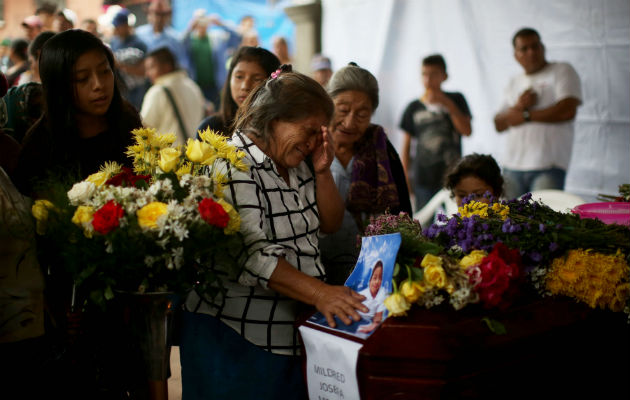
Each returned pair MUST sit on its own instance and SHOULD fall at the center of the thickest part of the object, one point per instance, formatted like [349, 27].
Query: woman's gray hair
[353, 77]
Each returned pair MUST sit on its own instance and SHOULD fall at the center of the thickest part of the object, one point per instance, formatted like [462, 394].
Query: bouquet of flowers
[498, 246]
[160, 227]
[428, 273]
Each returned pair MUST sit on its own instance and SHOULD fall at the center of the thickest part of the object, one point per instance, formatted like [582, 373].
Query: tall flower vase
[150, 320]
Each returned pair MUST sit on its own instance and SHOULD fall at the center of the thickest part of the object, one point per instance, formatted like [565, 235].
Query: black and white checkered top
[276, 220]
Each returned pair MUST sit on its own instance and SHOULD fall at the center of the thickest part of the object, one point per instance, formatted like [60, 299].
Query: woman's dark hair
[290, 97]
[19, 47]
[267, 61]
[482, 166]
[56, 69]
[36, 45]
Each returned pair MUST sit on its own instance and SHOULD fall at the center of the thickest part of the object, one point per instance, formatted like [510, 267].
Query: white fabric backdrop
[390, 37]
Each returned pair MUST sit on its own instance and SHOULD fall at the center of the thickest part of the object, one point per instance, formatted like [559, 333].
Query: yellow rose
[397, 304]
[434, 275]
[40, 213]
[82, 218]
[412, 291]
[82, 215]
[98, 178]
[430, 260]
[40, 209]
[199, 152]
[169, 159]
[472, 259]
[235, 220]
[149, 214]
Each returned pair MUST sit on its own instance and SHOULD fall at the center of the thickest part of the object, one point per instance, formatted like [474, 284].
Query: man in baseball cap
[321, 69]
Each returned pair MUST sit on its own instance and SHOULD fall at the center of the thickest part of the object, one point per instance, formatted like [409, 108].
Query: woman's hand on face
[340, 301]
[324, 152]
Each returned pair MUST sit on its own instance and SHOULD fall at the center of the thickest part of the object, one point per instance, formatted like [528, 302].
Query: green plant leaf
[495, 326]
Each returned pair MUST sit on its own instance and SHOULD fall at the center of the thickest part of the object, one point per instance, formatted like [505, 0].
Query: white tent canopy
[390, 37]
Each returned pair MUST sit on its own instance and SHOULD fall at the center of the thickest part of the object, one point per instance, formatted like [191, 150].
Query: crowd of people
[319, 167]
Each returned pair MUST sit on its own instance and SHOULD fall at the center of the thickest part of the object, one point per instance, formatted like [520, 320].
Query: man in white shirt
[538, 110]
[174, 103]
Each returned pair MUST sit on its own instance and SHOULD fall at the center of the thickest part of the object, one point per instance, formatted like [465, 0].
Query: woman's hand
[329, 202]
[340, 301]
[324, 152]
[329, 300]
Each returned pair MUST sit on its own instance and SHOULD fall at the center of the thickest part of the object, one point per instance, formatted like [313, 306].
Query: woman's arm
[328, 299]
[329, 202]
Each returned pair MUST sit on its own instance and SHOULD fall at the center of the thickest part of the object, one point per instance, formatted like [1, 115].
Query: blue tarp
[270, 19]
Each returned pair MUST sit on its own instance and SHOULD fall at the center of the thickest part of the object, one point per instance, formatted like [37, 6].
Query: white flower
[155, 188]
[167, 187]
[178, 256]
[185, 180]
[180, 231]
[150, 260]
[201, 181]
[81, 192]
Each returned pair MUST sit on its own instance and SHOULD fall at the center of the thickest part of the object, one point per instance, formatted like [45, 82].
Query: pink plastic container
[607, 212]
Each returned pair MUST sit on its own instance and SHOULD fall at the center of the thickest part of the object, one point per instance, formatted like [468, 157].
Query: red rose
[107, 218]
[498, 271]
[213, 213]
[127, 178]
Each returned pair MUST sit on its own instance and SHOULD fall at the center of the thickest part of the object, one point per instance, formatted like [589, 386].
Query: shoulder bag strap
[176, 110]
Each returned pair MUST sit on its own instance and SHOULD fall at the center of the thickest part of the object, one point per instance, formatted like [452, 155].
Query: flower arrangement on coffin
[428, 273]
[159, 227]
[500, 245]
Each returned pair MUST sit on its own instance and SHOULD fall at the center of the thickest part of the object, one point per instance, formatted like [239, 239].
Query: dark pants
[218, 363]
[517, 183]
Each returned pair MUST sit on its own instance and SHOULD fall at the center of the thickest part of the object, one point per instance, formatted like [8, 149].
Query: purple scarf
[372, 187]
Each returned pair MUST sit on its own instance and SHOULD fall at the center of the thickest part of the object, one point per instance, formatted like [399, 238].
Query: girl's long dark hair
[56, 68]
[267, 61]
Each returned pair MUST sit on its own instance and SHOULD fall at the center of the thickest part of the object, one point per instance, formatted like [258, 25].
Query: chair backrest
[440, 202]
[557, 200]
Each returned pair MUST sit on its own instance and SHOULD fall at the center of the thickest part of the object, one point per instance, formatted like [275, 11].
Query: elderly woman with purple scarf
[366, 169]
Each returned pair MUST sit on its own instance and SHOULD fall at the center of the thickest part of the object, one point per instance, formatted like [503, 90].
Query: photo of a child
[371, 277]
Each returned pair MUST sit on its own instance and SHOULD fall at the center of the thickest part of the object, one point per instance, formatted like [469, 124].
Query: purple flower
[510, 227]
[541, 228]
[553, 246]
[468, 198]
[451, 226]
[431, 231]
[535, 256]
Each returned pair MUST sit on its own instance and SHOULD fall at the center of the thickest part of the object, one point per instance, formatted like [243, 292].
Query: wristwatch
[526, 115]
